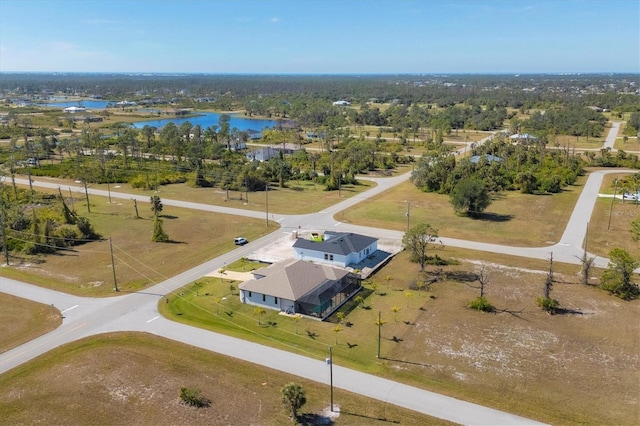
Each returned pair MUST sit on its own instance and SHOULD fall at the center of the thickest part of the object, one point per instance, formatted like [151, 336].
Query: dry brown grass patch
[134, 378]
[22, 320]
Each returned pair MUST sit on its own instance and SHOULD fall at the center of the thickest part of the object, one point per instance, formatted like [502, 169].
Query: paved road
[611, 136]
[138, 311]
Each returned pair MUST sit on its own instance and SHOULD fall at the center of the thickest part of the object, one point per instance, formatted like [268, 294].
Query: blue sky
[328, 36]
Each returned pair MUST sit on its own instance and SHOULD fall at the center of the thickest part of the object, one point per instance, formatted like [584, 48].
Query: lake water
[85, 103]
[204, 119]
[207, 119]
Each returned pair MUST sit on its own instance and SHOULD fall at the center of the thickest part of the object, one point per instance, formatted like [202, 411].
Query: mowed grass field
[23, 320]
[513, 218]
[580, 366]
[135, 379]
[86, 270]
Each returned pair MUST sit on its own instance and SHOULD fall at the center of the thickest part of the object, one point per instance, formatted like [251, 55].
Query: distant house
[74, 109]
[124, 104]
[178, 111]
[287, 148]
[340, 249]
[342, 103]
[262, 154]
[253, 134]
[316, 135]
[295, 286]
[489, 158]
[522, 137]
[237, 143]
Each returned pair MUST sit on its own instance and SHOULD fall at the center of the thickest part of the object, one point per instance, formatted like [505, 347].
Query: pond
[207, 119]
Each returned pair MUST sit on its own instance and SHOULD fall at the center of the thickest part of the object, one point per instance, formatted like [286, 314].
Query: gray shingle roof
[341, 243]
[292, 279]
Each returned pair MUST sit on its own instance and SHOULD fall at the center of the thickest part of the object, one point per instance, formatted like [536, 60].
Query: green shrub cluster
[144, 181]
[480, 304]
[547, 304]
[193, 398]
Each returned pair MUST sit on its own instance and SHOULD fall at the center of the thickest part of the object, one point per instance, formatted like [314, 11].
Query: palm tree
[156, 205]
[259, 312]
[294, 397]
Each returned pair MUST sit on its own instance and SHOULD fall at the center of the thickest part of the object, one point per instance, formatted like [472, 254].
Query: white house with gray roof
[296, 286]
[339, 249]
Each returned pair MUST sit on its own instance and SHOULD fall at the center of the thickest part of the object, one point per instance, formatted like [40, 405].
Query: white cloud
[275, 20]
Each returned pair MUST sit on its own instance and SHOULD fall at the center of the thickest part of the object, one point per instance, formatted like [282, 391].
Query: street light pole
[408, 214]
[330, 362]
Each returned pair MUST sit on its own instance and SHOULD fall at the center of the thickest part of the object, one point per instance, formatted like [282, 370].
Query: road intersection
[138, 311]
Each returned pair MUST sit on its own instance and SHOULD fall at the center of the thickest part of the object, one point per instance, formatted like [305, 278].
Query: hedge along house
[295, 286]
[340, 249]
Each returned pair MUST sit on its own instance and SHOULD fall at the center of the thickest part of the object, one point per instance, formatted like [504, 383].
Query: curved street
[84, 317]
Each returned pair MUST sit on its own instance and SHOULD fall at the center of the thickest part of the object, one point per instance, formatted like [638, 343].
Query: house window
[275, 300]
[249, 294]
[330, 257]
[264, 297]
[326, 256]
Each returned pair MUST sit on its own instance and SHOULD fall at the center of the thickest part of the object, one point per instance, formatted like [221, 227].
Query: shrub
[547, 304]
[193, 398]
[159, 236]
[84, 226]
[480, 304]
[66, 236]
[143, 181]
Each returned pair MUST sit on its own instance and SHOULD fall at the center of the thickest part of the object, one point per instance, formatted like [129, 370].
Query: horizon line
[178, 73]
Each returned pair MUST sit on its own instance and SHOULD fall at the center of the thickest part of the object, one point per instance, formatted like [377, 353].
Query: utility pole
[379, 331]
[113, 266]
[4, 234]
[109, 187]
[615, 189]
[86, 194]
[266, 191]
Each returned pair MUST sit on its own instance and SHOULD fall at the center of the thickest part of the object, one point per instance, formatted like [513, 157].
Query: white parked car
[629, 196]
[240, 241]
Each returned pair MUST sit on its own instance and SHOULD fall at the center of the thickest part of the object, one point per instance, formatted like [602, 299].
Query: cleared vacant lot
[580, 366]
[513, 218]
[86, 270]
[131, 378]
[22, 320]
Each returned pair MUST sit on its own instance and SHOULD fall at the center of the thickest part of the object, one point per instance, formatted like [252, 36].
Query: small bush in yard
[547, 304]
[480, 304]
[192, 397]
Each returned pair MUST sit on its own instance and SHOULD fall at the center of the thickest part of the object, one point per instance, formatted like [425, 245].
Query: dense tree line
[614, 92]
[501, 165]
